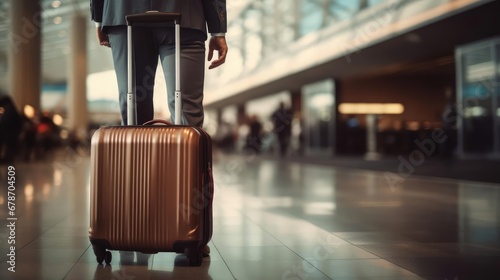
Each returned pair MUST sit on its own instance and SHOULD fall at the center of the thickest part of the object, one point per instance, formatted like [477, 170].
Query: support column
[242, 117]
[296, 96]
[25, 53]
[77, 111]
[371, 138]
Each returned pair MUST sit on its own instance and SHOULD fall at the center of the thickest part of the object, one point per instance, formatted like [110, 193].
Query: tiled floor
[272, 220]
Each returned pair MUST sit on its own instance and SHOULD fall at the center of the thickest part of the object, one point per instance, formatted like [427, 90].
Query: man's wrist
[218, 34]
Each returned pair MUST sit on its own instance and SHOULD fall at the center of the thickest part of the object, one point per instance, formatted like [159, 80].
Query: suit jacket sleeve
[96, 8]
[216, 15]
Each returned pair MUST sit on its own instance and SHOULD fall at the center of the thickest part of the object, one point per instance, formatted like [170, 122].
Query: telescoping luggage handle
[153, 17]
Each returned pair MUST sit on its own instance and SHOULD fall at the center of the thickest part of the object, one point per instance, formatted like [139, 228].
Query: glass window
[375, 2]
[319, 118]
[253, 47]
[286, 22]
[253, 51]
[252, 20]
[234, 66]
[343, 9]
[496, 90]
[311, 17]
[476, 99]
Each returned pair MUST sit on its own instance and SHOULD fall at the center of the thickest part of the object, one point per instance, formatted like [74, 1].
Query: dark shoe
[205, 252]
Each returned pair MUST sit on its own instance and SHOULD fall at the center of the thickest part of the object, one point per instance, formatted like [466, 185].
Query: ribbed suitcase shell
[151, 188]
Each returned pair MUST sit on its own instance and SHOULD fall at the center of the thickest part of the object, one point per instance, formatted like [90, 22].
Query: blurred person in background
[28, 137]
[254, 137]
[282, 127]
[10, 128]
[225, 137]
[47, 135]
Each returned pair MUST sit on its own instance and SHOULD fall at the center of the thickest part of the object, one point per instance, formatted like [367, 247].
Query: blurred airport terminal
[354, 139]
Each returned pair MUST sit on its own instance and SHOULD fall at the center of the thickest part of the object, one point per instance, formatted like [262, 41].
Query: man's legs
[145, 62]
[192, 76]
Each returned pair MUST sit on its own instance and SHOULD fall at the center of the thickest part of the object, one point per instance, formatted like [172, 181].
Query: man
[151, 42]
[282, 126]
[10, 128]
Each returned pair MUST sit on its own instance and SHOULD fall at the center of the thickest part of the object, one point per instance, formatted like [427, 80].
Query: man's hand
[103, 38]
[217, 44]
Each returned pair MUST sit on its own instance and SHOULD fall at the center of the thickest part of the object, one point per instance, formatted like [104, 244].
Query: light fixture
[57, 20]
[371, 108]
[321, 100]
[56, 4]
[29, 111]
[57, 119]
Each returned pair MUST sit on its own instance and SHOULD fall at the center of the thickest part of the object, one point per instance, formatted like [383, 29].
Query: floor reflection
[140, 266]
[479, 214]
[273, 219]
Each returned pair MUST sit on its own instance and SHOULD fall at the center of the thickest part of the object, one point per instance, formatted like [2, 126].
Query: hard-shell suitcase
[151, 185]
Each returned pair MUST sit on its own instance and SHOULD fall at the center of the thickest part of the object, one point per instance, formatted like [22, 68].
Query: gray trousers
[149, 44]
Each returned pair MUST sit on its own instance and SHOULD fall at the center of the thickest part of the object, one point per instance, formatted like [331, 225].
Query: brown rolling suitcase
[151, 185]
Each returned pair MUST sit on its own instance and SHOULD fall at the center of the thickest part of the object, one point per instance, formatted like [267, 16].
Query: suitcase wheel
[104, 257]
[101, 255]
[108, 257]
[99, 252]
[99, 258]
[194, 256]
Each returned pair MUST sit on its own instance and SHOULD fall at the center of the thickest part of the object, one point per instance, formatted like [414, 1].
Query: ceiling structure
[56, 16]
[56, 25]
[57, 19]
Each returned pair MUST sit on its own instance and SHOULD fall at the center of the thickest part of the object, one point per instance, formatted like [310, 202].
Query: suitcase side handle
[153, 17]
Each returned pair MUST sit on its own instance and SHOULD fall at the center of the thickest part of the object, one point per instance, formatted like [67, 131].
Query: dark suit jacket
[196, 14]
